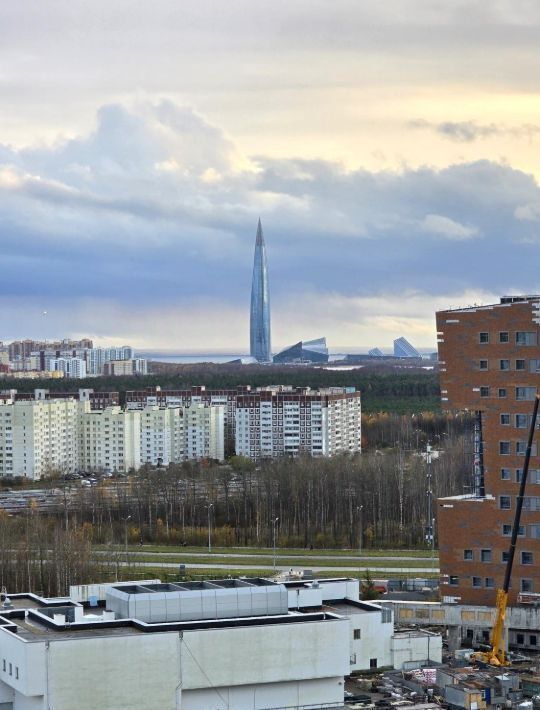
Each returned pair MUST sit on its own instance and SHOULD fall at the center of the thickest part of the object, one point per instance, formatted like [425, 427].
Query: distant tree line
[384, 388]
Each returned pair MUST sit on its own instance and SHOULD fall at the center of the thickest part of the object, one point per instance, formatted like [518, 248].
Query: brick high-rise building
[490, 365]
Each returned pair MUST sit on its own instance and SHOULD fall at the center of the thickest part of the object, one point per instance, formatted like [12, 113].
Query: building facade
[490, 366]
[38, 437]
[282, 421]
[304, 352]
[110, 439]
[43, 435]
[155, 396]
[260, 340]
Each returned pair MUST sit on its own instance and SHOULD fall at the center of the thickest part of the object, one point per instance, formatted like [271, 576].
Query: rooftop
[35, 619]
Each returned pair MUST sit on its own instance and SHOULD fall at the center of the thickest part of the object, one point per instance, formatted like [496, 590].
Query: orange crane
[496, 656]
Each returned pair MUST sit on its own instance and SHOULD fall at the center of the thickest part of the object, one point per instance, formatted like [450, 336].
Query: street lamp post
[360, 510]
[126, 535]
[209, 508]
[274, 523]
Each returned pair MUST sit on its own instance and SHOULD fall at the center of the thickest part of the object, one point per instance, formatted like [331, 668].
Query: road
[307, 558]
[410, 571]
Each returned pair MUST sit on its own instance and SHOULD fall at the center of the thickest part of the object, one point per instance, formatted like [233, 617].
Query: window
[453, 580]
[525, 393]
[484, 391]
[504, 502]
[507, 530]
[504, 557]
[373, 663]
[505, 474]
[489, 582]
[505, 419]
[502, 392]
[485, 555]
[504, 448]
[526, 558]
[525, 585]
[522, 421]
[483, 365]
[532, 640]
[504, 364]
[504, 337]
[476, 581]
[534, 365]
[483, 338]
[525, 337]
[356, 634]
[520, 638]
[534, 531]
[531, 503]
[520, 364]
[521, 448]
[467, 554]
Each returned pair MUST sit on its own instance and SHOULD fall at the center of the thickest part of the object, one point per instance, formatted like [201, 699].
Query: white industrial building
[214, 645]
[373, 642]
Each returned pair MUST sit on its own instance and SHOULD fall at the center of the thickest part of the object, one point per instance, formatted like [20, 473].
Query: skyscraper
[260, 347]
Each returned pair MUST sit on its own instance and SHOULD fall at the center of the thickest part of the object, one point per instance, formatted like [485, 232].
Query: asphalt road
[306, 557]
[377, 571]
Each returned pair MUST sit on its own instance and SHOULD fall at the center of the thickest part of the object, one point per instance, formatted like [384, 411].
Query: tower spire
[260, 347]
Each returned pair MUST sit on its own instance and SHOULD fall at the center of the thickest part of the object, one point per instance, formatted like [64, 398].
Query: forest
[384, 388]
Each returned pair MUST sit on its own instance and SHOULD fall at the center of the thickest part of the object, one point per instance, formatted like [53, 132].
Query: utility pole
[209, 508]
[126, 535]
[360, 510]
[274, 523]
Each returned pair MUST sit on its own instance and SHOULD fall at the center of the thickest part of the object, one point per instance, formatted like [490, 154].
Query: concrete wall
[136, 671]
[408, 647]
[277, 695]
[374, 642]
[265, 654]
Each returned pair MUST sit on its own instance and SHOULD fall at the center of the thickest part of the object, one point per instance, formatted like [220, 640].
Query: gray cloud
[156, 209]
[469, 131]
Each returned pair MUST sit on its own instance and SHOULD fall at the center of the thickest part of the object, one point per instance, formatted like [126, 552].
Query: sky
[391, 150]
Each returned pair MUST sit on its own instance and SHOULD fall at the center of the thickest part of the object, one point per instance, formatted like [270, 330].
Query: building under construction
[490, 366]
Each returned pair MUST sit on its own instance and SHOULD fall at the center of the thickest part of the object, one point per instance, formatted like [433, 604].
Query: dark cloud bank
[156, 206]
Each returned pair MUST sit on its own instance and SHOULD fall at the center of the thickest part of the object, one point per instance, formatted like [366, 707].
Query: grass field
[268, 551]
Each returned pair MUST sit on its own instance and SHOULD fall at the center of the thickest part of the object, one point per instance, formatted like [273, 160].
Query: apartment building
[37, 437]
[283, 421]
[74, 367]
[80, 432]
[162, 435]
[490, 366]
[204, 432]
[98, 400]
[187, 397]
[110, 439]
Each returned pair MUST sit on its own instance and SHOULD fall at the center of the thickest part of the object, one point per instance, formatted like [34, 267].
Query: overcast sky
[390, 148]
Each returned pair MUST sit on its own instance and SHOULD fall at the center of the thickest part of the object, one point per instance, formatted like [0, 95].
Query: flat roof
[33, 626]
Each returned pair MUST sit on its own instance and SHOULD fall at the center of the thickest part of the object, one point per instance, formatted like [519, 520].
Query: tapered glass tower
[260, 347]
